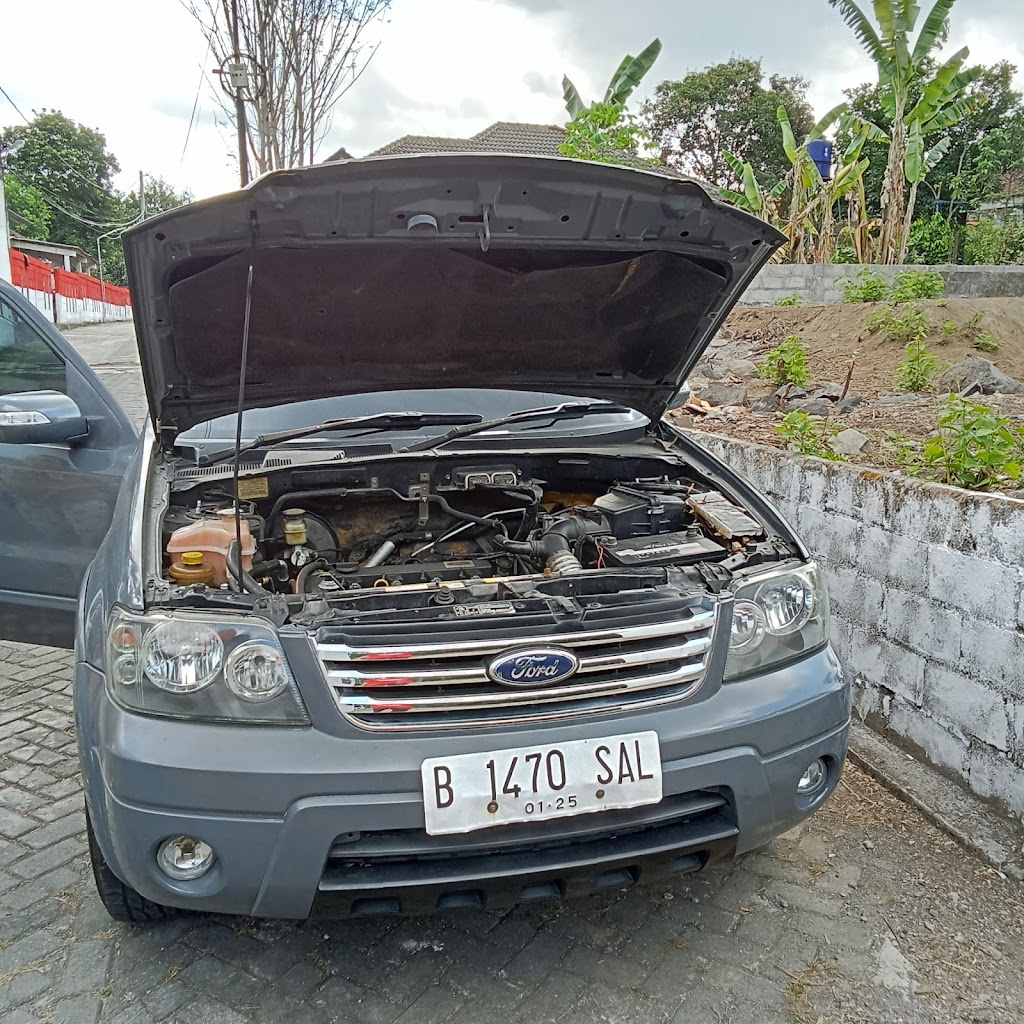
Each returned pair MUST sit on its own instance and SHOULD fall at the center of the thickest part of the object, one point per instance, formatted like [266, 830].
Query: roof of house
[500, 137]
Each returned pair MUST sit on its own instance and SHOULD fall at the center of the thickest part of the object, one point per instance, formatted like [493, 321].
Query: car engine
[455, 534]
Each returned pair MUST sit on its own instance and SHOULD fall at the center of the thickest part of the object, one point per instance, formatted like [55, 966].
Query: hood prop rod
[237, 566]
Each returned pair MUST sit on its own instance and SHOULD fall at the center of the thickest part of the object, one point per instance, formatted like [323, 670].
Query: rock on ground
[849, 442]
[723, 394]
[978, 375]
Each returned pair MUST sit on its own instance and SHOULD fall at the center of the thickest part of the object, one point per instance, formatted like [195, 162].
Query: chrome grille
[441, 683]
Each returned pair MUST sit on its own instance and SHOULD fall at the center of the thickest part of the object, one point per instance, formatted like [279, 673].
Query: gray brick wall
[927, 595]
[822, 284]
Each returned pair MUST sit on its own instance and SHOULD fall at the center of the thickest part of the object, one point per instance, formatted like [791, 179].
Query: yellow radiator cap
[192, 557]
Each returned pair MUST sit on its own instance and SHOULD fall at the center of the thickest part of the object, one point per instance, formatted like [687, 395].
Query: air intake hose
[554, 545]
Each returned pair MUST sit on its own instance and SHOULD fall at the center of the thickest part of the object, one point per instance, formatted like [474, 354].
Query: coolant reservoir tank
[191, 568]
[212, 538]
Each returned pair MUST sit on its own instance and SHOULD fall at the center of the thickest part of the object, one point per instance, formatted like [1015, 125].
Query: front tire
[121, 901]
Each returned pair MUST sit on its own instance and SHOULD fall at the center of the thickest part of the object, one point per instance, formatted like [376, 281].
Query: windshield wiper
[370, 424]
[563, 411]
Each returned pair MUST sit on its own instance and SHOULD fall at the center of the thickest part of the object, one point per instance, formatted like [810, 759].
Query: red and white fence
[65, 297]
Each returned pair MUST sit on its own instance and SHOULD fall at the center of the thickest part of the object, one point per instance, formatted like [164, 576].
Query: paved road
[865, 914]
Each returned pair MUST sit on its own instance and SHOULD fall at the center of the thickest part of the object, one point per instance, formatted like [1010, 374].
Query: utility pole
[142, 196]
[5, 232]
[238, 80]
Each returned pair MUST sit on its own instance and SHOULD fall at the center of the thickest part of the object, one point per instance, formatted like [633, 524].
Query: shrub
[931, 240]
[918, 284]
[949, 328]
[787, 363]
[844, 254]
[806, 436]
[904, 324]
[991, 242]
[976, 320]
[867, 286]
[974, 448]
[918, 369]
[789, 300]
[984, 342]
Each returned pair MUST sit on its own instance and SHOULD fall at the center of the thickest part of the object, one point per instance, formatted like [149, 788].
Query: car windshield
[217, 434]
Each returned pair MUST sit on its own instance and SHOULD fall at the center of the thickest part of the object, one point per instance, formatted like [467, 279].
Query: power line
[73, 170]
[53, 202]
[195, 103]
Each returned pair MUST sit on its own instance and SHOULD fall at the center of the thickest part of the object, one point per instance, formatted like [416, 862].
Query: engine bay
[449, 532]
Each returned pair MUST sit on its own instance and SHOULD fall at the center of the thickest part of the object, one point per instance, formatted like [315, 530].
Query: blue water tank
[820, 151]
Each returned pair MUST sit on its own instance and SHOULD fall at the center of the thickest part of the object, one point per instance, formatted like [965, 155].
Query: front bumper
[308, 823]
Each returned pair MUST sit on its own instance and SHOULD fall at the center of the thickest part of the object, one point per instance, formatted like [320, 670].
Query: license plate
[466, 792]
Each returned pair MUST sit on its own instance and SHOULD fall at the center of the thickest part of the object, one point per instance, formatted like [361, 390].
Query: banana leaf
[573, 102]
[913, 161]
[862, 28]
[886, 19]
[933, 29]
[788, 138]
[630, 73]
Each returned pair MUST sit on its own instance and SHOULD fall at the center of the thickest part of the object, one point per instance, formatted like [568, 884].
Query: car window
[27, 362]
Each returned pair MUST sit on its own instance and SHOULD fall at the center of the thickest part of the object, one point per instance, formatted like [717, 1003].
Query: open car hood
[463, 270]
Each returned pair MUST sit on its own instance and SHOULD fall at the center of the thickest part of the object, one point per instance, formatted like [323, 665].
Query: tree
[302, 57]
[26, 203]
[604, 130]
[70, 167]
[726, 108]
[916, 103]
[969, 171]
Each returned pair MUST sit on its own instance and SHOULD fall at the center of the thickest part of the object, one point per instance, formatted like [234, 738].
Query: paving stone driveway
[867, 913]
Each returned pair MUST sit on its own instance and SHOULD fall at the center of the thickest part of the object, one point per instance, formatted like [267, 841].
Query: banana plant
[753, 198]
[811, 220]
[628, 75]
[916, 100]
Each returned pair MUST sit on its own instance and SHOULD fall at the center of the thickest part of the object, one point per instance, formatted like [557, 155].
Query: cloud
[443, 68]
[543, 85]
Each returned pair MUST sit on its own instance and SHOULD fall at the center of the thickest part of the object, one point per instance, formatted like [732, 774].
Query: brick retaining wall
[928, 605]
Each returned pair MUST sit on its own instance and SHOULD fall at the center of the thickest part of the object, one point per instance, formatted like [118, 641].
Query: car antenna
[238, 424]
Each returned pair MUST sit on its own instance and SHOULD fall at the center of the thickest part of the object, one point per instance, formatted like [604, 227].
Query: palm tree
[918, 102]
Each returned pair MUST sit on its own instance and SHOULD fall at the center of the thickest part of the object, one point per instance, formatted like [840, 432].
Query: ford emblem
[536, 666]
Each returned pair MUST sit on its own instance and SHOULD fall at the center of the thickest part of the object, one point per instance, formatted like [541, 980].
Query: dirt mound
[836, 334]
[835, 337]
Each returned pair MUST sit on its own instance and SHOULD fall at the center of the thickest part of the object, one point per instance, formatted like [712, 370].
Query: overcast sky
[444, 67]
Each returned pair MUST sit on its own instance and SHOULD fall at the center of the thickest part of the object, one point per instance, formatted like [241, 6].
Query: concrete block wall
[927, 593]
[822, 284]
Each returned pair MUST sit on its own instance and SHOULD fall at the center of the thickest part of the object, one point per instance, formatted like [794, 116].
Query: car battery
[664, 549]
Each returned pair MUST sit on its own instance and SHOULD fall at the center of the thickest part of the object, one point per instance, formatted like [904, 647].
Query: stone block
[970, 707]
[977, 585]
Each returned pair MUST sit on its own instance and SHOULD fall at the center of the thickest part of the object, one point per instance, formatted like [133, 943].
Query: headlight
[256, 672]
[777, 617]
[182, 656]
[185, 665]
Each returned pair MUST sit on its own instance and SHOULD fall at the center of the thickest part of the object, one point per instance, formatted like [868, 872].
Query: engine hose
[236, 572]
[554, 545]
[306, 571]
[565, 563]
[455, 513]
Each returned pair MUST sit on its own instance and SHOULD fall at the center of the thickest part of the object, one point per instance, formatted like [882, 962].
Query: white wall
[928, 605]
[822, 284]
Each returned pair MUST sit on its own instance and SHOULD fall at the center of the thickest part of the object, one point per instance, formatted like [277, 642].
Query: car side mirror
[40, 417]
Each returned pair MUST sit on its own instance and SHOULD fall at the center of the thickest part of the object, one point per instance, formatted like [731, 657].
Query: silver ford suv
[410, 599]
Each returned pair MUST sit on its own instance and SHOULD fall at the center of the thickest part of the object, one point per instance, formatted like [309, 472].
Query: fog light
[813, 778]
[183, 858]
